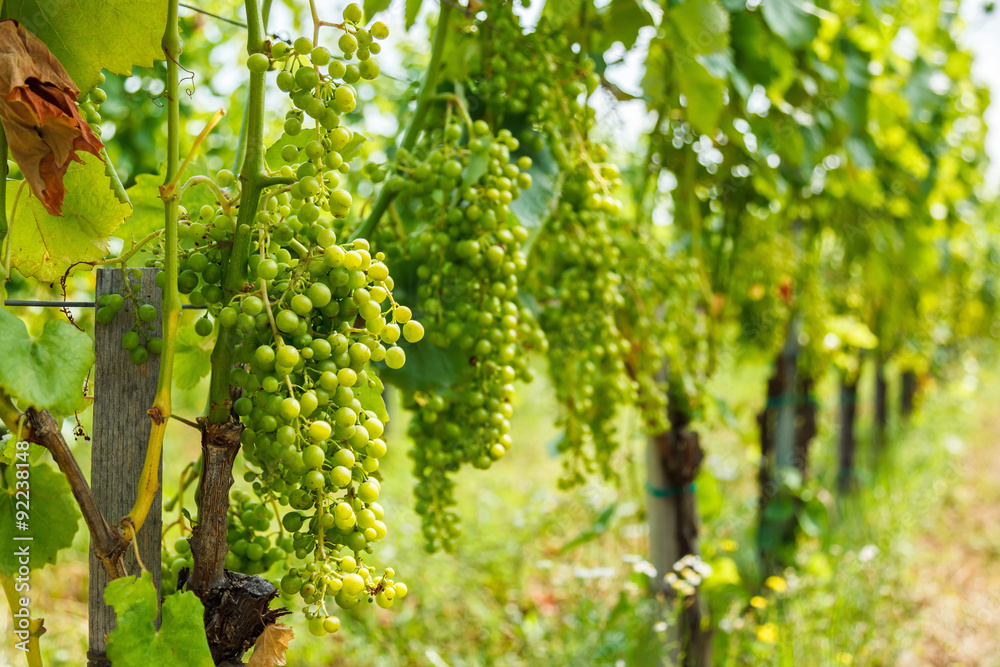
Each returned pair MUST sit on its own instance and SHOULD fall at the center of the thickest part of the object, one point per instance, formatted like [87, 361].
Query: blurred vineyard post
[674, 459]
[123, 392]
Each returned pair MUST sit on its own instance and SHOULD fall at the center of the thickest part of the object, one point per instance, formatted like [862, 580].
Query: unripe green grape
[413, 331]
[313, 480]
[395, 357]
[154, 345]
[331, 624]
[130, 340]
[225, 178]
[139, 356]
[106, 315]
[267, 269]
[347, 43]
[340, 476]
[319, 431]
[353, 13]
[285, 81]
[337, 69]
[227, 317]
[303, 45]
[345, 98]
[306, 77]
[314, 457]
[203, 326]
[258, 63]
[379, 30]
[369, 69]
[287, 321]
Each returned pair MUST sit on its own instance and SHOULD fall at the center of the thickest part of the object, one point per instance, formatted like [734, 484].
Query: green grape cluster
[318, 157]
[577, 283]
[90, 105]
[459, 184]
[311, 403]
[138, 341]
[578, 271]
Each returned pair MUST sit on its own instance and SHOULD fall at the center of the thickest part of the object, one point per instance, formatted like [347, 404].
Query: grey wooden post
[123, 392]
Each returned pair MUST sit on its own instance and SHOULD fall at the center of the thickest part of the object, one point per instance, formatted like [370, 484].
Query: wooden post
[846, 480]
[123, 392]
[881, 416]
[907, 390]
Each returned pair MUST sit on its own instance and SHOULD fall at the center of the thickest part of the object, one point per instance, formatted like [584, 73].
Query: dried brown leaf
[39, 114]
[270, 647]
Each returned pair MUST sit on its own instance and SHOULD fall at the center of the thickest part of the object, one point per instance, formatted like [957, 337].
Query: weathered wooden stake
[123, 393]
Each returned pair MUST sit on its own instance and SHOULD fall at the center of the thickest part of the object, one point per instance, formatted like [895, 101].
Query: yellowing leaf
[271, 645]
[45, 246]
[39, 114]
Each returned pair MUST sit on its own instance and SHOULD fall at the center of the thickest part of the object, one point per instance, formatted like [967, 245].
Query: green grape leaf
[478, 164]
[52, 517]
[147, 211]
[147, 208]
[427, 367]
[45, 246]
[410, 12]
[87, 36]
[558, 11]
[273, 152]
[8, 449]
[703, 94]
[790, 21]
[373, 7]
[370, 395]
[46, 373]
[353, 147]
[623, 21]
[180, 641]
[192, 357]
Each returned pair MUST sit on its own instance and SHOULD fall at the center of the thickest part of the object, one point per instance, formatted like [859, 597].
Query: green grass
[513, 594]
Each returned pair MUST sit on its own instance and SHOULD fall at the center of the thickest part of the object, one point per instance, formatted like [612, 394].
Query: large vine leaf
[193, 357]
[180, 641]
[90, 35]
[790, 21]
[45, 246]
[52, 518]
[411, 9]
[147, 207]
[370, 396]
[47, 372]
[373, 7]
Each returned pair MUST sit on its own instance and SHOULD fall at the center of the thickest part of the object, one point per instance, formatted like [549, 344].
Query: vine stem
[3, 190]
[35, 626]
[221, 432]
[42, 429]
[3, 208]
[424, 99]
[169, 188]
[162, 407]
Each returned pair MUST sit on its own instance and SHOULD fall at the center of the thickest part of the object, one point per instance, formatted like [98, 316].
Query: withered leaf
[39, 114]
[269, 649]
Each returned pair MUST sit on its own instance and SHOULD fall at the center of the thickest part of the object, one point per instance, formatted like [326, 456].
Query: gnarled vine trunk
[674, 459]
[907, 393]
[881, 411]
[787, 427]
[847, 444]
[236, 605]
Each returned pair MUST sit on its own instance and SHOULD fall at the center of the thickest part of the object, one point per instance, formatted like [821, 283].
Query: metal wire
[73, 304]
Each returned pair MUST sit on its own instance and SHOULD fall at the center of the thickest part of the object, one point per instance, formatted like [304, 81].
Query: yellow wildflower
[757, 602]
[845, 658]
[728, 545]
[777, 584]
[767, 633]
